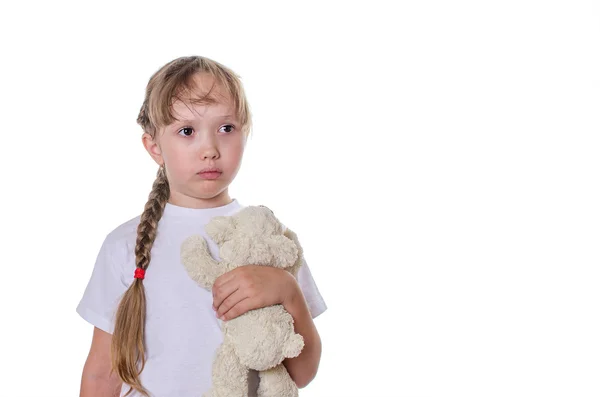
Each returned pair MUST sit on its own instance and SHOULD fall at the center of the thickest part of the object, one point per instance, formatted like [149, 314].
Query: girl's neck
[180, 200]
[176, 211]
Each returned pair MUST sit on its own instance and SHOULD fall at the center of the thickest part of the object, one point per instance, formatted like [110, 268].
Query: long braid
[128, 339]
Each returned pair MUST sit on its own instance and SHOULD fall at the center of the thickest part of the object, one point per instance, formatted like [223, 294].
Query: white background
[439, 160]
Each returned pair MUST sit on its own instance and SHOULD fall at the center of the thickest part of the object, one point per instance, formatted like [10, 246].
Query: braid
[146, 231]
[127, 346]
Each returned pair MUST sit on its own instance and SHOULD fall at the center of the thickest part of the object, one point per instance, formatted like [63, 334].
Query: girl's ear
[152, 148]
[220, 228]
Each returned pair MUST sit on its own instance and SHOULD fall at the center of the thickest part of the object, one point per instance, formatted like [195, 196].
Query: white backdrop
[439, 161]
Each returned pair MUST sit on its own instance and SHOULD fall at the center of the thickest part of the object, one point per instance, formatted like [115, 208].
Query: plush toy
[259, 339]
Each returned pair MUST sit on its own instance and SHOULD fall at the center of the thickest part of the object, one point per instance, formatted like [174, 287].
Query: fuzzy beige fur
[259, 339]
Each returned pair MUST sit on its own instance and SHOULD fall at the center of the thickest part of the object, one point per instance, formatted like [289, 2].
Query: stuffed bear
[259, 339]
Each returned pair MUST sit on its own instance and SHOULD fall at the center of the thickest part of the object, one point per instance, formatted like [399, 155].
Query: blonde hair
[164, 87]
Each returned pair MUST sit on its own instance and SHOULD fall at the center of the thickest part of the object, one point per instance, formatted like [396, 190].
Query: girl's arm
[95, 380]
[303, 368]
[253, 286]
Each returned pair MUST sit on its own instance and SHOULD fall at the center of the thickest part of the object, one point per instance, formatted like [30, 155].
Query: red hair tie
[139, 273]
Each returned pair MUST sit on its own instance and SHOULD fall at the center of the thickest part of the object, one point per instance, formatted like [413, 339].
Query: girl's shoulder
[120, 242]
[125, 231]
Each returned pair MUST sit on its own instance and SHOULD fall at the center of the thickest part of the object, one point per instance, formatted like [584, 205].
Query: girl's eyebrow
[225, 116]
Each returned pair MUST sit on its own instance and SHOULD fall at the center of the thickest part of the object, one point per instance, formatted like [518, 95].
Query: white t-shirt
[182, 331]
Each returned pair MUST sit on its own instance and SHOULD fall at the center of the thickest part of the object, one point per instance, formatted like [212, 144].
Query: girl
[156, 331]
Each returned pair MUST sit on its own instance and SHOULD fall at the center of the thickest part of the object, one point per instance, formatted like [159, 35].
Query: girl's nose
[208, 147]
[209, 152]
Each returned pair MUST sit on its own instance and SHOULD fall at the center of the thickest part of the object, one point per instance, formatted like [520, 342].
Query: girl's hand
[250, 287]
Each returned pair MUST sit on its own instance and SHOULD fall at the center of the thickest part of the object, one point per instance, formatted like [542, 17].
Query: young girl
[155, 329]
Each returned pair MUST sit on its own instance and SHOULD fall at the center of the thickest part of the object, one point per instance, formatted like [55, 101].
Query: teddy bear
[259, 339]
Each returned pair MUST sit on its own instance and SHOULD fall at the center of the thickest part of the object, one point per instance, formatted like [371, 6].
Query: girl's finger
[233, 299]
[224, 278]
[240, 308]
[223, 292]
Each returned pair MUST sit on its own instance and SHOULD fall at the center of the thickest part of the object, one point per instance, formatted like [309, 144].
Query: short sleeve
[104, 290]
[316, 303]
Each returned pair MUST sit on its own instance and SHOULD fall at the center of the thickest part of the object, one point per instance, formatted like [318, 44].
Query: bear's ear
[264, 220]
[264, 206]
[220, 228]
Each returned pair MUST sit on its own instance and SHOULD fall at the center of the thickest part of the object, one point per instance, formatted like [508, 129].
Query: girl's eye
[228, 125]
[190, 129]
[185, 128]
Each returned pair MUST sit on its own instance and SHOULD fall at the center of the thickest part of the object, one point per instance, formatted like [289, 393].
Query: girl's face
[204, 136]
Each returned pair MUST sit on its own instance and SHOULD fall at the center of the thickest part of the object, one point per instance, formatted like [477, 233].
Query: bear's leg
[229, 376]
[276, 382]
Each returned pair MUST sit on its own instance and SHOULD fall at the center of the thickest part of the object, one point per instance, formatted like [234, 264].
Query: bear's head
[252, 236]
